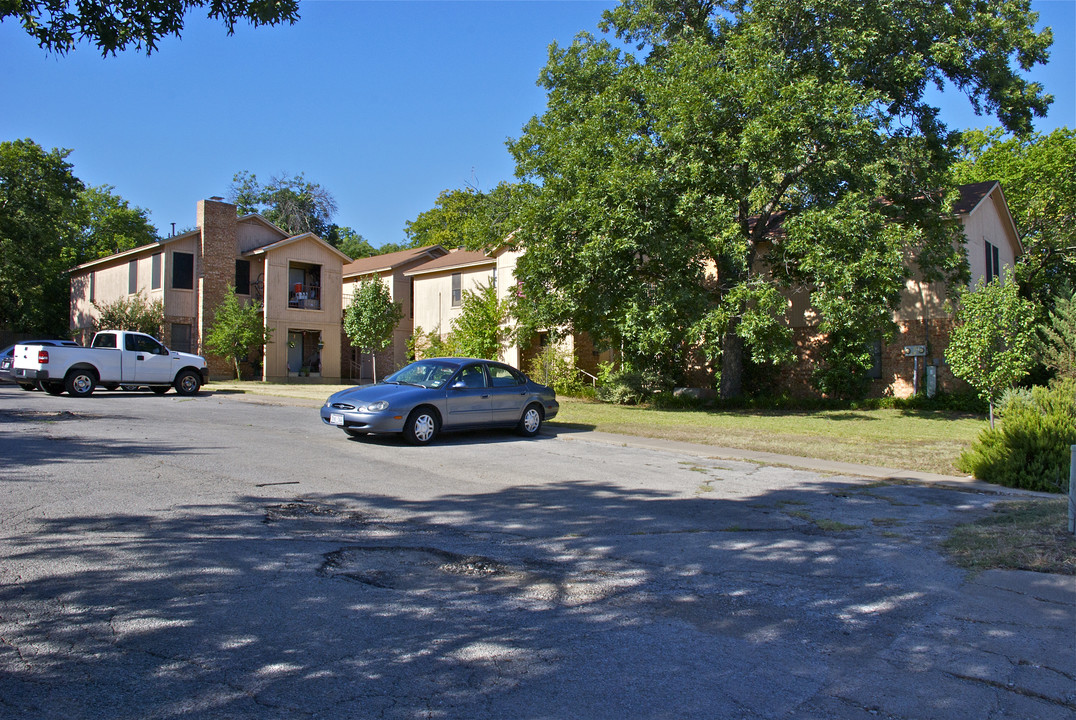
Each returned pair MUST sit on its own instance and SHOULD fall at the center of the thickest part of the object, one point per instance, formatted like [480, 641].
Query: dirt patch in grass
[1026, 535]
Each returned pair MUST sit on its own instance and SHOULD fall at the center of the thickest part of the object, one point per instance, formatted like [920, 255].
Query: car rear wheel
[422, 426]
[80, 383]
[531, 422]
[188, 383]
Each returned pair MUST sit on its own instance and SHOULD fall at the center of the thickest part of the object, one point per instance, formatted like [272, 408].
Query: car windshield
[425, 373]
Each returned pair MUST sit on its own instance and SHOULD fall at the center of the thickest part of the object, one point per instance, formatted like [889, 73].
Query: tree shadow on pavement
[564, 599]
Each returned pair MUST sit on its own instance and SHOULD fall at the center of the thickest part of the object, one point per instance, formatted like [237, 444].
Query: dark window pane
[242, 277]
[183, 271]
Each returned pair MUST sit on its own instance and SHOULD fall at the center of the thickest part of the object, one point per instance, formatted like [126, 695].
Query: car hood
[365, 394]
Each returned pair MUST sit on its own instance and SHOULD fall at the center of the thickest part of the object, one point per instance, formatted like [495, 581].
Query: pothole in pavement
[302, 510]
[428, 569]
[419, 568]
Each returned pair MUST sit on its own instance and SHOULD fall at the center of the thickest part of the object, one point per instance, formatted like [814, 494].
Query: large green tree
[1038, 176]
[58, 25]
[108, 224]
[681, 187]
[38, 230]
[50, 222]
[292, 203]
[467, 218]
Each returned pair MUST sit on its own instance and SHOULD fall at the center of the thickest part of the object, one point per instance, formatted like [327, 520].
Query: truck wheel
[188, 383]
[80, 383]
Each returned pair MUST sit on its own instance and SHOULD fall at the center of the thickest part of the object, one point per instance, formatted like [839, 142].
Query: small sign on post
[1072, 489]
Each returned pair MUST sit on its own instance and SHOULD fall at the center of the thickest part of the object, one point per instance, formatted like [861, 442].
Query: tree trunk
[731, 365]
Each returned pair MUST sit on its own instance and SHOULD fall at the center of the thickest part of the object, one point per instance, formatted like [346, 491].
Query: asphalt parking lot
[213, 557]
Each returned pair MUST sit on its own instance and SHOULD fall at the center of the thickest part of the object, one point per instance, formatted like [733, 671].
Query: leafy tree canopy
[467, 218]
[50, 222]
[38, 230]
[58, 25]
[993, 343]
[741, 152]
[292, 204]
[350, 243]
[110, 225]
[1038, 176]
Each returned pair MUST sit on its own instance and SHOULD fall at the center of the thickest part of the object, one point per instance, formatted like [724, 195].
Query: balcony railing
[304, 297]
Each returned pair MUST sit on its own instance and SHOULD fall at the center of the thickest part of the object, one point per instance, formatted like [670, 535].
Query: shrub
[628, 387]
[557, 370]
[1030, 448]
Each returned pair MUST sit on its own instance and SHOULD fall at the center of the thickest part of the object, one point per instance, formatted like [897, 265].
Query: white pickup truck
[115, 358]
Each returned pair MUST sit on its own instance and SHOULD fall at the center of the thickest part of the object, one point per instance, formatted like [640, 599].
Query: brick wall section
[215, 271]
[898, 371]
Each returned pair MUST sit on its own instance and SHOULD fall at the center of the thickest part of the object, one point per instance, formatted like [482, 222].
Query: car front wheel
[422, 426]
[188, 383]
[531, 422]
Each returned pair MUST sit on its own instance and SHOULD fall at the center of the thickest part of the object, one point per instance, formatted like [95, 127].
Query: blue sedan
[429, 396]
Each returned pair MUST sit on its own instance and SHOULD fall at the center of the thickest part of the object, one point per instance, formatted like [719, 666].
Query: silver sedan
[429, 396]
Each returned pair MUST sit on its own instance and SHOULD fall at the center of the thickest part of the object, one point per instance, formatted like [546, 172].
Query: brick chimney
[216, 269]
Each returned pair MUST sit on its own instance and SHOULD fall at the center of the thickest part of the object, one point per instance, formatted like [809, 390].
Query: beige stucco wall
[282, 319]
[433, 296]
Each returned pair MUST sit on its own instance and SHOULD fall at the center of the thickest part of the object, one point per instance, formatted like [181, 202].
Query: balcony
[302, 296]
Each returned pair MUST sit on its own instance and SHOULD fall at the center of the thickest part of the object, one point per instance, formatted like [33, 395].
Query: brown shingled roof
[391, 261]
[455, 259]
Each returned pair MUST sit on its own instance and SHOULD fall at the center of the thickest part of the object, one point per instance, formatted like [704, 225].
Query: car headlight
[375, 406]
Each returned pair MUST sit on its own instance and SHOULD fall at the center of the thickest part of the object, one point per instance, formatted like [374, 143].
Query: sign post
[915, 352]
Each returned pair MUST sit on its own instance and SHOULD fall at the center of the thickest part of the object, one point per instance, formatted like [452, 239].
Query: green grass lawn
[928, 441]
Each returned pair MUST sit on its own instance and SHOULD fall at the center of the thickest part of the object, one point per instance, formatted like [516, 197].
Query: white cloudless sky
[385, 104]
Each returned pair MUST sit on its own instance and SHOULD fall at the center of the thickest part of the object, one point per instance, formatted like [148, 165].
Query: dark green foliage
[1058, 348]
[1030, 447]
[58, 25]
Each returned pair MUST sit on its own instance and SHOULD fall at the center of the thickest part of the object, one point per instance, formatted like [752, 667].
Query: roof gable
[455, 260]
[390, 262]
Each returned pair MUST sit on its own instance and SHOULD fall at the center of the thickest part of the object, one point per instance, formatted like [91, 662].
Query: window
[183, 271]
[104, 340]
[874, 372]
[457, 289]
[242, 277]
[143, 343]
[181, 337]
[93, 286]
[993, 262]
[132, 277]
[155, 272]
[471, 377]
[504, 377]
[494, 281]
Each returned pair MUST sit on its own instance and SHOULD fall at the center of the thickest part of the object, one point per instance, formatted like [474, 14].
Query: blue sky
[383, 103]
